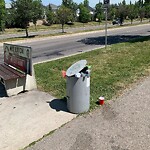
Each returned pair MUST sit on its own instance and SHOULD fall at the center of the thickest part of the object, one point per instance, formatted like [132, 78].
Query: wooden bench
[8, 73]
[16, 68]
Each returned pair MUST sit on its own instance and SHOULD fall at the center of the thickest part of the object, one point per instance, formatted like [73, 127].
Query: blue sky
[92, 2]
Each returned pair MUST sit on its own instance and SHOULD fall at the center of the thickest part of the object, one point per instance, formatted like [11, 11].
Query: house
[91, 10]
[54, 7]
[7, 5]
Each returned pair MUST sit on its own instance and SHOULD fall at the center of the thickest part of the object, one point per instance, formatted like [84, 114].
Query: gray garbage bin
[78, 87]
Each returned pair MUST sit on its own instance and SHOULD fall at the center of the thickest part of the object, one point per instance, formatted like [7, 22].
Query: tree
[64, 15]
[112, 12]
[147, 2]
[86, 3]
[50, 16]
[84, 15]
[24, 12]
[124, 2]
[147, 9]
[9, 18]
[37, 11]
[2, 15]
[72, 6]
[122, 12]
[140, 3]
[99, 12]
[132, 13]
[142, 13]
[147, 12]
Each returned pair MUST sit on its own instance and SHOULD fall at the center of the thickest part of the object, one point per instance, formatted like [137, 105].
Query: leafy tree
[142, 13]
[2, 15]
[147, 9]
[9, 19]
[140, 3]
[99, 12]
[37, 11]
[124, 2]
[84, 15]
[26, 11]
[147, 12]
[23, 10]
[50, 16]
[132, 12]
[141, 9]
[147, 2]
[64, 15]
[112, 12]
[86, 3]
[122, 12]
[72, 6]
[69, 4]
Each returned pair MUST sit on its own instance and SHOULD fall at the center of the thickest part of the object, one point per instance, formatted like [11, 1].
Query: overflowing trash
[78, 87]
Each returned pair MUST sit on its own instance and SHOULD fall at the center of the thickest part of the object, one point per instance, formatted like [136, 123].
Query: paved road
[54, 47]
[120, 124]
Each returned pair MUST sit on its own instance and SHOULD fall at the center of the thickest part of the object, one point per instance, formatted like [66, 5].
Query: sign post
[19, 57]
[105, 27]
[106, 3]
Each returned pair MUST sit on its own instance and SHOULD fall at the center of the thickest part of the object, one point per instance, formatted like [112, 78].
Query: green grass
[56, 26]
[52, 27]
[113, 69]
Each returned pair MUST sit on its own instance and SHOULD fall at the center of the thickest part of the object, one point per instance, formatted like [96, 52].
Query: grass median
[112, 69]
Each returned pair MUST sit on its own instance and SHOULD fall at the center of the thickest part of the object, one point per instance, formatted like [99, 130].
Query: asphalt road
[60, 46]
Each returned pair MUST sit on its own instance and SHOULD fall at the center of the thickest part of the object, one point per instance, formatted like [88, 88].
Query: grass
[52, 27]
[57, 26]
[113, 69]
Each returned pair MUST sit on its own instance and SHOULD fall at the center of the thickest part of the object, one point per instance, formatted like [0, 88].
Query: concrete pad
[26, 117]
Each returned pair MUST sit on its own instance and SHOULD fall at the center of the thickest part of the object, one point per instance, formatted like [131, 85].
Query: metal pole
[106, 27]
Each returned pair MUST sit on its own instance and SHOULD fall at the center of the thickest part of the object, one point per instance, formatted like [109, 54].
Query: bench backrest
[19, 57]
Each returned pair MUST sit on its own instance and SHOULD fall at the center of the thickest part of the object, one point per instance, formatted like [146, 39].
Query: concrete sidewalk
[120, 124]
[26, 117]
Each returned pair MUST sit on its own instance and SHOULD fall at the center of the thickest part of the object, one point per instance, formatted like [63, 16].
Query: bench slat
[8, 73]
[4, 76]
[14, 71]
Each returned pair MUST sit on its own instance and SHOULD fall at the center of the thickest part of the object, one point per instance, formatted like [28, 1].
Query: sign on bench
[19, 57]
[17, 73]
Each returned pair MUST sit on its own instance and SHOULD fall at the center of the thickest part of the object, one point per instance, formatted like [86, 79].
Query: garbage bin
[78, 87]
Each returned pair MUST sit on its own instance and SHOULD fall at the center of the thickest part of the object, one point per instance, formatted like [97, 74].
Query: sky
[91, 2]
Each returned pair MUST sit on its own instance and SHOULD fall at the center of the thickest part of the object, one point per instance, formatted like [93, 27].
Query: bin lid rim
[76, 68]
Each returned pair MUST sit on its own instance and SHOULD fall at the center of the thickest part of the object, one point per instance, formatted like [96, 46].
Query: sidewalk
[120, 124]
[26, 117]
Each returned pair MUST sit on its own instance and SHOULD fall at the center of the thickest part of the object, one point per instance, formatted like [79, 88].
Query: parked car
[117, 21]
[70, 23]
